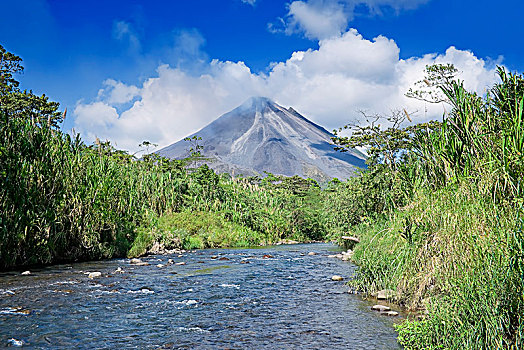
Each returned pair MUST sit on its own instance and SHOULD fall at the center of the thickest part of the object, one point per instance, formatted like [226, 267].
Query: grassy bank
[448, 237]
[455, 258]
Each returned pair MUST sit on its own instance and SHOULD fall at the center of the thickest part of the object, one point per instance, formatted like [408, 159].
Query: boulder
[15, 342]
[180, 263]
[337, 278]
[94, 274]
[311, 253]
[351, 238]
[349, 241]
[385, 294]
[157, 249]
[160, 265]
[391, 313]
[26, 273]
[380, 308]
[119, 270]
[135, 261]
[287, 241]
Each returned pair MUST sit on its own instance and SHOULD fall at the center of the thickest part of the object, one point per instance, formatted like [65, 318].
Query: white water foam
[143, 291]
[193, 329]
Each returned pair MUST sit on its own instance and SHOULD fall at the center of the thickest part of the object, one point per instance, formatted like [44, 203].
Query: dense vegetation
[446, 228]
[438, 211]
[62, 200]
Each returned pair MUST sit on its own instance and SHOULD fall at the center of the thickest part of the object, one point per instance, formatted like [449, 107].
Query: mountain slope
[262, 136]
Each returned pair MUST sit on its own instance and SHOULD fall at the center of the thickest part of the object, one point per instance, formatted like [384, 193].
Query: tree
[16, 103]
[195, 157]
[9, 64]
[437, 77]
[382, 136]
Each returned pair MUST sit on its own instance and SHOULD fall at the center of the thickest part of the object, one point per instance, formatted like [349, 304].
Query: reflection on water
[271, 298]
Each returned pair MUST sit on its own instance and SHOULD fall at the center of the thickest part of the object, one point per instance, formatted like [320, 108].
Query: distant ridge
[260, 135]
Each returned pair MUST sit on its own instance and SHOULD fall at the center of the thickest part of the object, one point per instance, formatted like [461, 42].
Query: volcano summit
[260, 135]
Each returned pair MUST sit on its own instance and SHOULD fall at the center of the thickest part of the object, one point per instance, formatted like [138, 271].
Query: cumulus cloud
[317, 19]
[329, 85]
[321, 19]
[249, 2]
[116, 92]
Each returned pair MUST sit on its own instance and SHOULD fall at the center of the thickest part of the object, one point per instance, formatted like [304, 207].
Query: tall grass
[453, 246]
[62, 200]
[456, 256]
[480, 137]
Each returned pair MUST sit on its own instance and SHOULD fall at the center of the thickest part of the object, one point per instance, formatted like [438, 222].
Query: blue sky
[158, 70]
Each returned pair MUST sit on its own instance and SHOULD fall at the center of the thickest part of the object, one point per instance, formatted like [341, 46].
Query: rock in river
[391, 313]
[337, 278]
[26, 273]
[15, 342]
[138, 262]
[94, 274]
[380, 308]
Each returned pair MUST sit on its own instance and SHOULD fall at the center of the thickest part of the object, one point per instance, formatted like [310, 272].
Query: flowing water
[269, 298]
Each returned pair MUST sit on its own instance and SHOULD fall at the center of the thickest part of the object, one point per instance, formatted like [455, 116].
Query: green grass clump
[208, 230]
[194, 230]
[458, 259]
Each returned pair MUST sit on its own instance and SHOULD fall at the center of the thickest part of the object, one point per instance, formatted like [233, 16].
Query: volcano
[261, 136]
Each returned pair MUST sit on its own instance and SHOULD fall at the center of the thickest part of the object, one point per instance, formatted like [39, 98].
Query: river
[266, 298]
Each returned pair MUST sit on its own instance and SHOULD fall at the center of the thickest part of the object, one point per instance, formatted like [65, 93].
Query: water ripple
[282, 299]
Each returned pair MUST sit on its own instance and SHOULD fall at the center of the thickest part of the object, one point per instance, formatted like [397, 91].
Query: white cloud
[321, 19]
[124, 31]
[249, 2]
[95, 119]
[347, 73]
[189, 43]
[317, 19]
[116, 92]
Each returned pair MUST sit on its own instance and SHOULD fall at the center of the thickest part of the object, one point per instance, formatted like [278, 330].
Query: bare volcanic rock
[262, 136]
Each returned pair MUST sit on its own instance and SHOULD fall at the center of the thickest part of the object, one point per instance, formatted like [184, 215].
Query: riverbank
[454, 258]
[201, 230]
